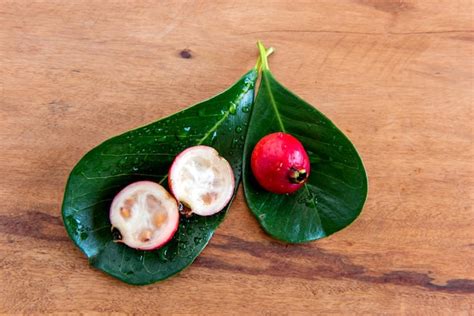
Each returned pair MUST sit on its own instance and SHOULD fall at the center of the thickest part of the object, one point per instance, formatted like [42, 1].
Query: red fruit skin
[272, 160]
[165, 241]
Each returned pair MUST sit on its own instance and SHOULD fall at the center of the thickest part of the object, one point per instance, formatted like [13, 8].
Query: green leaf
[146, 153]
[336, 190]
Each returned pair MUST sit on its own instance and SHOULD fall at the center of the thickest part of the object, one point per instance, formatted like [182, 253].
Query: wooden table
[396, 76]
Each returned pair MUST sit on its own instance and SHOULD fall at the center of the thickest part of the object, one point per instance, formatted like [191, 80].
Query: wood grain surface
[396, 76]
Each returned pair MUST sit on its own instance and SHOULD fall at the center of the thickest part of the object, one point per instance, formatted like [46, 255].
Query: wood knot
[186, 54]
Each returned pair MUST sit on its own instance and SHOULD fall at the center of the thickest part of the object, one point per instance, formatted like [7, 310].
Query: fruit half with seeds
[201, 180]
[144, 215]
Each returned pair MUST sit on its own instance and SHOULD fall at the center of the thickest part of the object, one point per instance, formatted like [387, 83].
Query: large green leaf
[146, 153]
[336, 190]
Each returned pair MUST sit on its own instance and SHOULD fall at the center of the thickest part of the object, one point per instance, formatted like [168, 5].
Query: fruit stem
[262, 62]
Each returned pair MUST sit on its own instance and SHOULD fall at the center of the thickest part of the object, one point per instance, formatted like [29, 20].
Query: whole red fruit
[280, 163]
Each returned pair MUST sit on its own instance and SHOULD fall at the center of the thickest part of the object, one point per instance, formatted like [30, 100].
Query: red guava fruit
[280, 163]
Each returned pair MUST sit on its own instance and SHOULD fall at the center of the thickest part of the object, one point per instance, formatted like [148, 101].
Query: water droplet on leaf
[181, 134]
[164, 255]
[233, 108]
[213, 137]
[161, 138]
[235, 142]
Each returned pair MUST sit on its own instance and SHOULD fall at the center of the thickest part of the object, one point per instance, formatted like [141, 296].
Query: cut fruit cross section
[145, 214]
[202, 180]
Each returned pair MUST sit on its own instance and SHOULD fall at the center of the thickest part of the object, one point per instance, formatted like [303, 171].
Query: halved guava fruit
[145, 215]
[201, 180]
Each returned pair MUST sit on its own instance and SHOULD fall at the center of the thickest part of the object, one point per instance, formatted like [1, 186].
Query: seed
[206, 198]
[201, 163]
[125, 212]
[159, 219]
[209, 197]
[152, 202]
[145, 235]
[128, 203]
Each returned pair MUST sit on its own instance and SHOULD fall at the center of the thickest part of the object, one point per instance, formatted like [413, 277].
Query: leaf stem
[263, 55]
[266, 53]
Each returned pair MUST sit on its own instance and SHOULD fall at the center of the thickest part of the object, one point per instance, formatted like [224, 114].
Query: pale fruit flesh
[202, 180]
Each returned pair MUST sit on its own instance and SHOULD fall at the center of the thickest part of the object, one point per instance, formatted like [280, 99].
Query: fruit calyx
[297, 176]
[184, 209]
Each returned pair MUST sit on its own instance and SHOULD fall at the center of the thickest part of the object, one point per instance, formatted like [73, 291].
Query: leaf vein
[135, 154]
[120, 175]
[274, 105]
